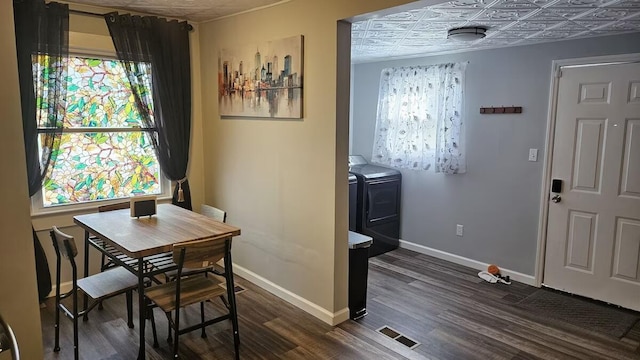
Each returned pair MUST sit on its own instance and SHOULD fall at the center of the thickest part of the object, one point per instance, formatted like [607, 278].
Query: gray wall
[498, 199]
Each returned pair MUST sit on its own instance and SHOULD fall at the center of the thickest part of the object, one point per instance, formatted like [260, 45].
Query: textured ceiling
[423, 32]
[510, 22]
[194, 10]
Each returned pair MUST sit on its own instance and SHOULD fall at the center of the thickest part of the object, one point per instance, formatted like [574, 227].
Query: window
[419, 124]
[104, 153]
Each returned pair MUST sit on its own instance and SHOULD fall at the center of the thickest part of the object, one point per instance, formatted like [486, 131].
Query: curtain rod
[88, 13]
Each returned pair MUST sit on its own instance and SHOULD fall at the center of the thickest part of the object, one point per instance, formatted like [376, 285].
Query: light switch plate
[533, 154]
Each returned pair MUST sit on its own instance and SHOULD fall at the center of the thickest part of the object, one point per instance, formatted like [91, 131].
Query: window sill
[62, 216]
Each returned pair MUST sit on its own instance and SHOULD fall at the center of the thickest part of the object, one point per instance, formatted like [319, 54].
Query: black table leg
[142, 309]
[231, 294]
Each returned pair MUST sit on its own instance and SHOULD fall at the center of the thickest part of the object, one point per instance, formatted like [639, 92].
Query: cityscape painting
[262, 80]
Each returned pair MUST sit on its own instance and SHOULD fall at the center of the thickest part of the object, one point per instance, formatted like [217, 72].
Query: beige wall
[284, 182]
[18, 290]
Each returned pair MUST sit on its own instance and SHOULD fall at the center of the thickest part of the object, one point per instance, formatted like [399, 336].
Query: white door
[593, 234]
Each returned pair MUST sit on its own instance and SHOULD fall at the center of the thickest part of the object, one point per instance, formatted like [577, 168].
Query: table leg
[85, 298]
[231, 294]
[142, 309]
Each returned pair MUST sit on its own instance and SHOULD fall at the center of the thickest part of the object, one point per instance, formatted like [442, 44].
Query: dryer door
[383, 201]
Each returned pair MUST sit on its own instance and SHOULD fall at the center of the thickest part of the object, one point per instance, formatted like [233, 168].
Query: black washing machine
[377, 204]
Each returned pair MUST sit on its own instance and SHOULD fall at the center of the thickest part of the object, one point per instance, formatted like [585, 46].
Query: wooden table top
[153, 235]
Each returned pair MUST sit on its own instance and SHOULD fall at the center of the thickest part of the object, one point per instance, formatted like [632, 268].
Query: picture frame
[263, 80]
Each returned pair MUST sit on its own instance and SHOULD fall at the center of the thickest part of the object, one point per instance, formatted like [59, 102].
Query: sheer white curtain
[419, 123]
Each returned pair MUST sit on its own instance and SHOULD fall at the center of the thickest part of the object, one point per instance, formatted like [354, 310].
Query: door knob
[556, 198]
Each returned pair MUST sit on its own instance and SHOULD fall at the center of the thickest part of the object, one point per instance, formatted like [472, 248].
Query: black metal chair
[216, 214]
[213, 212]
[184, 291]
[98, 287]
[8, 340]
[107, 262]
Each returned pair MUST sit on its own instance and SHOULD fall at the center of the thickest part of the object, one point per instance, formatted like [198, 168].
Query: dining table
[143, 245]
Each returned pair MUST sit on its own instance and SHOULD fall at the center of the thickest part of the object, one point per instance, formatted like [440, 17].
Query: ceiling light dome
[467, 33]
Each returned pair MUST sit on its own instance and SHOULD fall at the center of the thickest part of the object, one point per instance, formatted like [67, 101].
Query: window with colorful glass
[105, 152]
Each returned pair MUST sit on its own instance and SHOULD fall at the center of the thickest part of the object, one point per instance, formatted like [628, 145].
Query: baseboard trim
[295, 299]
[340, 316]
[460, 260]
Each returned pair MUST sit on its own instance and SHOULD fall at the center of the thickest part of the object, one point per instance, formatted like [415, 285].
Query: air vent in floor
[238, 289]
[397, 336]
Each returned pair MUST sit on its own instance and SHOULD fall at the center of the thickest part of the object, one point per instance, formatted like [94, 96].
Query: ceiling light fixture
[467, 33]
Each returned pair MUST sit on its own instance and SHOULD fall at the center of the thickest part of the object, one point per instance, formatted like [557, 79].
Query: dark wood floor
[445, 307]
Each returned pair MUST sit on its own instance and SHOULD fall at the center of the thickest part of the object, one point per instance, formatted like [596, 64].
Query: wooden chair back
[189, 290]
[200, 253]
[111, 207]
[64, 244]
[213, 212]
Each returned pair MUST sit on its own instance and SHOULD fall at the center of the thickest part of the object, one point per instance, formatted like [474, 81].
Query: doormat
[581, 312]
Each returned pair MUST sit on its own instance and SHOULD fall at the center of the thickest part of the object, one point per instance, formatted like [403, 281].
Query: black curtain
[42, 34]
[143, 40]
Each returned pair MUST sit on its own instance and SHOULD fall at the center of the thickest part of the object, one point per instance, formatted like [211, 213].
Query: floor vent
[238, 289]
[397, 336]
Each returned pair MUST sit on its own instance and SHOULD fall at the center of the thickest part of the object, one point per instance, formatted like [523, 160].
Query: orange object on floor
[493, 270]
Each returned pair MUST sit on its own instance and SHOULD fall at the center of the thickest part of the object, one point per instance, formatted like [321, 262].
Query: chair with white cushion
[98, 287]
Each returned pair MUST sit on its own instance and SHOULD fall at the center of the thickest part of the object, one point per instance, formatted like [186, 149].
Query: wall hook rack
[501, 110]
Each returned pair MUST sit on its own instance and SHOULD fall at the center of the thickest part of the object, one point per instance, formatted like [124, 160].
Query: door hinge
[559, 73]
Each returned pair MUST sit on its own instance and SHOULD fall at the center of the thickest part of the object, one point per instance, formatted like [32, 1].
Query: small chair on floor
[184, 291]
[99, 286]
[216, 214]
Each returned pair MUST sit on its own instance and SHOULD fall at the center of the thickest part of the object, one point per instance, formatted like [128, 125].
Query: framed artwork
[262, 80]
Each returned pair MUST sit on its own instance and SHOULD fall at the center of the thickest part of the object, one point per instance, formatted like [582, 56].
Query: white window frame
[37, 205]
